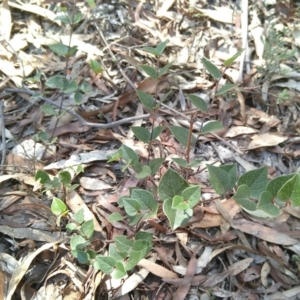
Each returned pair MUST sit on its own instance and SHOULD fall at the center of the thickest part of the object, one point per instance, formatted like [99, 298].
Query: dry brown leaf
[35, 9]
[212, 218]
[22, 268]
[156, 269]
[264, 233]
[94, 184]
[5, 20]
[239, 130]
[266, 140]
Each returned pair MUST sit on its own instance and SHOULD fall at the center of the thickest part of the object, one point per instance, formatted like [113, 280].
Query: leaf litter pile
[225, 249]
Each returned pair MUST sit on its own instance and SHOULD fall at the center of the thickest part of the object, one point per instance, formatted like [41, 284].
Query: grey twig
[77, 116]
[2, 124]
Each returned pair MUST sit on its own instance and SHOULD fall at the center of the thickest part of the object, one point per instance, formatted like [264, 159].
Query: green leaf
[91, 3]
[65, 177]
[164, 70]
[148, 205]
[181, 162]
[105, 263]
[211, 68]
[242, 197]
[82, 256]
[77, 242]
[71, 227]
[48, 109]
[128, 155]
[181, 134]
[87, 229]
[195, 162]
[230, 60]
[79, 216]
[179, 203]
[225, 88]
[159, 48]
[153, 73]
[72, 51]
[290, 191]
[170, 185]
[192, 195]
[86, 87]
[58, 207]
[119, 272]
[157, 131]
[275, 184]
[42, 176]
[256, 180]
[133, 220]
[56, 82]
[77, 97]
[131, 206]
[143, 173]
[118, 256]
[123, 244]
[59, 49]
[115, 217]
[139, 250]
[266, 204]
[146, 99]
[141, 133]
[145, 236]
[155, 164]
[198, 102]
[176, 217]
[210, 126]
[96, 67]
[70, 87]
[222, 178]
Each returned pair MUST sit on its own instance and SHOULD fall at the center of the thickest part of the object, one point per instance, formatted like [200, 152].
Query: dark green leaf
[164, 70]
[48, 109]
[198, 102]
[155, 164]
[131, 206]
[211, 68]
[42, 176]
[170, 185]
[256, 180]
[275, 184]
[153, 73]
[104, 263]
[290, 191]
[181, 134]
[115, 217]
[87, 229]
[141, 133]
[65, 177]
[242, 197]
[146, 99]
[211, 126]
[230, 60]
[225, 88]
[59, 49]
[96, 67]
[266, 204]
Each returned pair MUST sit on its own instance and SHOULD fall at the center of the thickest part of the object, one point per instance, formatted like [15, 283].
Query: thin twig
[3, 135]
[77, 116]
